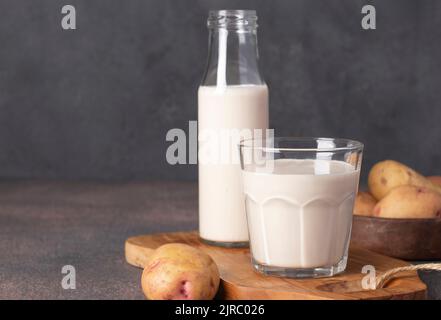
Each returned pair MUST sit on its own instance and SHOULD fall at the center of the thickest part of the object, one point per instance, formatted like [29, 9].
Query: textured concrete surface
[46, 225]
[97, 102]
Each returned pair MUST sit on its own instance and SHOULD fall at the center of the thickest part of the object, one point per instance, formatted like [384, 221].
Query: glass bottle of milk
[232, 102]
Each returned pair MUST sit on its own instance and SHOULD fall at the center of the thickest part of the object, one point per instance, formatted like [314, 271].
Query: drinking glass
[299, 198]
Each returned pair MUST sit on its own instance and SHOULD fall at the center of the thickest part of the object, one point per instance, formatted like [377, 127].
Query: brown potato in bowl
[409, 202]
[364, 204]
[389, 174]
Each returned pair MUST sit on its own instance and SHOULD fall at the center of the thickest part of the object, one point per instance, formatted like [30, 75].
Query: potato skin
[435, 180]
[388, 174]
[364, 204]
[409, 202]
[178, 271]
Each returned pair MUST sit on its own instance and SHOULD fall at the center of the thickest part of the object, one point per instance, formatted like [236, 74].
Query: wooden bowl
[409, 239]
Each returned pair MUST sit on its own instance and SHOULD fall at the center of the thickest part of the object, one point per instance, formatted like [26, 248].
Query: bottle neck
[233, 57]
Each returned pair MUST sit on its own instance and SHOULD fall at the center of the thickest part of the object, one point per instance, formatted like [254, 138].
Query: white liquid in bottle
[222, 216]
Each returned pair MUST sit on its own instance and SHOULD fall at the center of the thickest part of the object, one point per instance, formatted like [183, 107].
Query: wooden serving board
[240, 281]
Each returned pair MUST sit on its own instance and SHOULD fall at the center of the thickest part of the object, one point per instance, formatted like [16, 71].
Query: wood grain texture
[240, 281]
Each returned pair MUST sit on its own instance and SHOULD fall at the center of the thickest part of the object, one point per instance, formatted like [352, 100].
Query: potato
[435, 180]
[409, 202]
[178, 271]
[364, 204]
[388, 174]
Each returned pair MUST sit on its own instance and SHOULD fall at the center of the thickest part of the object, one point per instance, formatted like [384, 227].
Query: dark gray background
[96, 103]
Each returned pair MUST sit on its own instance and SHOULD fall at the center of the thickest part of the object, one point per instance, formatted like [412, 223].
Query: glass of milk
[299, 197]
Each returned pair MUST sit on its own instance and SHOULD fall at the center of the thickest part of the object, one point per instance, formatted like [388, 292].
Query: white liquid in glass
[300, 215]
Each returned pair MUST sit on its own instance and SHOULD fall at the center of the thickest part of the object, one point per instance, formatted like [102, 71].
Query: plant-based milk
[223, 110]
[300, 215]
